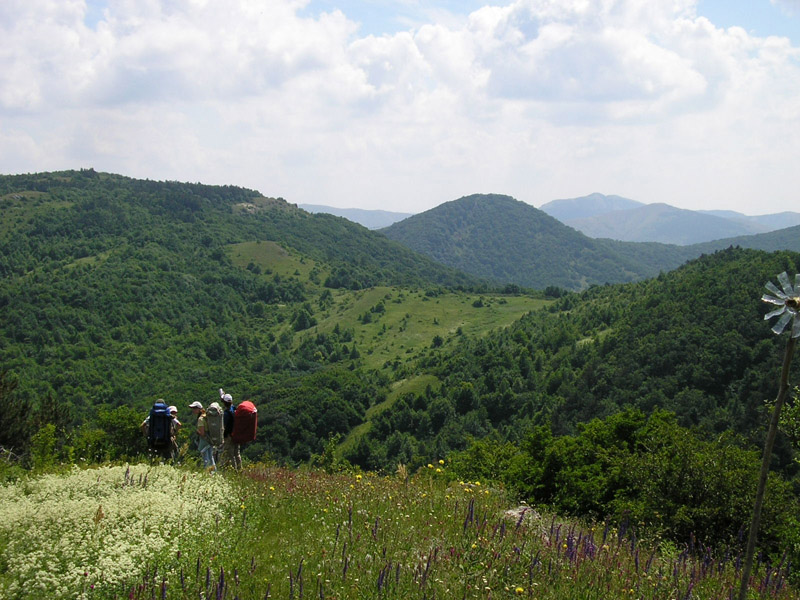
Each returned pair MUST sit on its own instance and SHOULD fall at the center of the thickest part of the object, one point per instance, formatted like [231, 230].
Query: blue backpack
[159, 430]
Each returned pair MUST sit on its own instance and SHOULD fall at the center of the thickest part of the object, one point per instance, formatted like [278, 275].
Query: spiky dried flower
[787, 301]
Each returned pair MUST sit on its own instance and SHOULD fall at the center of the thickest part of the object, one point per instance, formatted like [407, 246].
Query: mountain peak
[587, 206]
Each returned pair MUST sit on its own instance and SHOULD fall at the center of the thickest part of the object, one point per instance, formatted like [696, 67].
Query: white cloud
[790, 7]
[536, 98]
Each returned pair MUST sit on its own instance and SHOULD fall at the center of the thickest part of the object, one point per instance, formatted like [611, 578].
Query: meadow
[143, 531]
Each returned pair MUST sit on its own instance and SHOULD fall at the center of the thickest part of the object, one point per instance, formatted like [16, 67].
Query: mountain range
[622, 219]
[617, 218]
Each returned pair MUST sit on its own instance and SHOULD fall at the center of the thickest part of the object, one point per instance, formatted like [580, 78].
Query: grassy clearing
[279, 533]
[413, 385]
[392, 326]
[19, 207]
[272, 259]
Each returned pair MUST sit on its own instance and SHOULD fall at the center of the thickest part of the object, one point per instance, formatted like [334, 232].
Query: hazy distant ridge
[593, 205]
[617, 218]
[371, 219]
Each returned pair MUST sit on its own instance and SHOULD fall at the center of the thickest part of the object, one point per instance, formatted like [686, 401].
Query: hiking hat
[173, 409]
[195, 404]
[227, 398]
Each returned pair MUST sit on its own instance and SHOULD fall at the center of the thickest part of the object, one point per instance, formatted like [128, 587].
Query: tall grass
[283, 533]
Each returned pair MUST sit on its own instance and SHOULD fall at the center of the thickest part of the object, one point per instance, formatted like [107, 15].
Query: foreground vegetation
[155, 531]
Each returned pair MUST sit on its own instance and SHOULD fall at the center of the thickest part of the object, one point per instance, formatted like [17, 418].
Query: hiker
[203, 445]
[160, 427]
[231, 451]
[215, 429]
[176, 426]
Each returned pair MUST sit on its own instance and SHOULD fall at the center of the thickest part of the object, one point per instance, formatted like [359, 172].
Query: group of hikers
[220, 431]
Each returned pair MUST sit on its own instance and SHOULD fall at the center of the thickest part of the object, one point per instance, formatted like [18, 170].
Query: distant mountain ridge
[595, 204]
[663, 223]
[371, 219]
[498, 237]
[508, 241]
[621, 219]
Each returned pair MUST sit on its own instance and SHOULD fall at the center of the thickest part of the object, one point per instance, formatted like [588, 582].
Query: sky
[403, 105]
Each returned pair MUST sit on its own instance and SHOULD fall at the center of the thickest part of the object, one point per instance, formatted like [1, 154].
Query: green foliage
[15, 411]
[484, 460]
[648, 470]
[329, 461]
[43, 448]
[691, 341]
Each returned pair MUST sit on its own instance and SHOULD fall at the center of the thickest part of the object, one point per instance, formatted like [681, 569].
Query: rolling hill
[508, 241]
[663, 223]
[117, 291]
[501, 238]
[692, 341]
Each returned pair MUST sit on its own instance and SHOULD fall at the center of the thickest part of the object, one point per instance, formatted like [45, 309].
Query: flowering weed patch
[84, 533]
[281, 533]
[308, 534]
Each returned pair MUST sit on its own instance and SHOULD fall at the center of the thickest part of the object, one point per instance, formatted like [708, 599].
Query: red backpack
[245, 423]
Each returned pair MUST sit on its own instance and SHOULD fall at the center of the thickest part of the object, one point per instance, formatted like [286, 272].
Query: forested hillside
[118, 291]
[506, 240]
[691, 341]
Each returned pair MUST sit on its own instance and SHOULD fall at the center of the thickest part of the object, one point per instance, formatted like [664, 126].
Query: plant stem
[765, 461]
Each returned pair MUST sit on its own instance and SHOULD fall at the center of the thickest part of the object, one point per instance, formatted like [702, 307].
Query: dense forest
[117, 291]
[642, 400]
[690, 341]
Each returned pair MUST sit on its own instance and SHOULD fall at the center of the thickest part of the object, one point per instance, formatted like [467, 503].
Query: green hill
[508, 241]
[119, 291]
[500, 238]
[691, 341]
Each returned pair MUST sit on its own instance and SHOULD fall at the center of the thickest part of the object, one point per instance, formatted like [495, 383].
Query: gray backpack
[214, 424]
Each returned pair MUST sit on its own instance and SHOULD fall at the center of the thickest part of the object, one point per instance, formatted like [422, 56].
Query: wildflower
[787, 301]
[430, 466]
[519, 590]
[441, 462]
